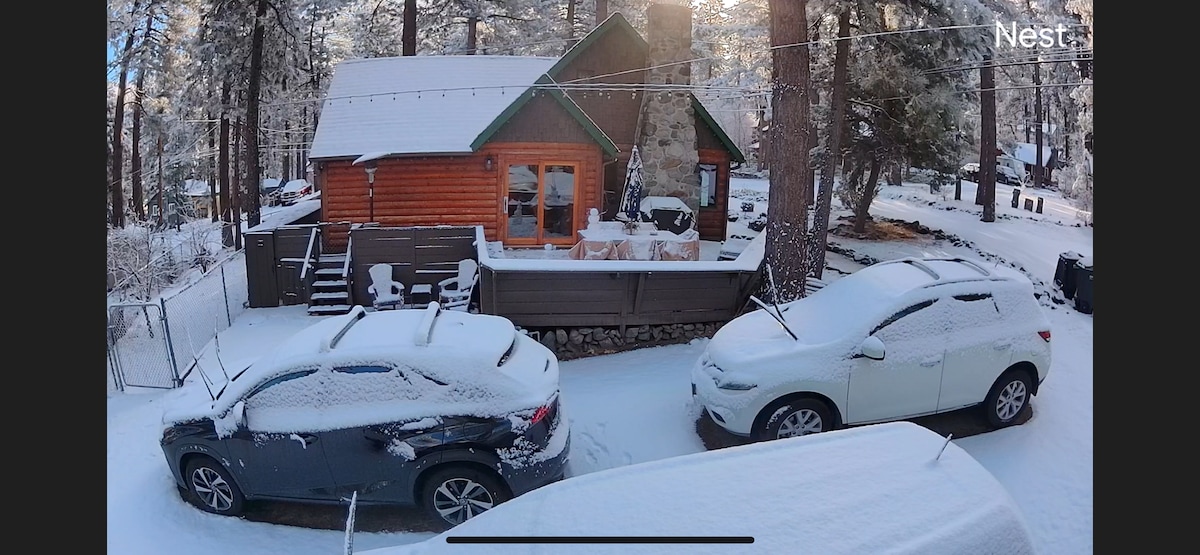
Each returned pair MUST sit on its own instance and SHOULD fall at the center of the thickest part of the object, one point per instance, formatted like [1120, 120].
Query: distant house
[200, 201]
[522, 146]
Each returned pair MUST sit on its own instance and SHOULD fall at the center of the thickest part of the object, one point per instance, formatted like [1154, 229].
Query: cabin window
[708, 185]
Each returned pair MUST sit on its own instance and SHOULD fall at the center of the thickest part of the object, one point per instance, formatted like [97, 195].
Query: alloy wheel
[212, 489]
[459, 499]
[801, 422]
[1011, 400]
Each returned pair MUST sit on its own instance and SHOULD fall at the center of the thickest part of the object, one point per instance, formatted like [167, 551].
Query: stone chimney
[667, 137]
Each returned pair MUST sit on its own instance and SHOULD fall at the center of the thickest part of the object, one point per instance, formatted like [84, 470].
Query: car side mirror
[872, 348]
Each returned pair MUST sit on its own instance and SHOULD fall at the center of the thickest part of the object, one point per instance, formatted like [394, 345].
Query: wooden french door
[540, 201]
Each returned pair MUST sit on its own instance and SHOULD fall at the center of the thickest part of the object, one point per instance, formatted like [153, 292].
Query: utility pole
[1037, 110]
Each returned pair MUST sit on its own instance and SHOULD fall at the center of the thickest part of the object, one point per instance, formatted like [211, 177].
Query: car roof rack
[425, 329]
[356, 313]
[959, 259]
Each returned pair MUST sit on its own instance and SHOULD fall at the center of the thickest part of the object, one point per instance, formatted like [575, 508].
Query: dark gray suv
[450, 411]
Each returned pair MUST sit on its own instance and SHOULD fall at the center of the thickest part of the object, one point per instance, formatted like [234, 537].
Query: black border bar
[599, 539]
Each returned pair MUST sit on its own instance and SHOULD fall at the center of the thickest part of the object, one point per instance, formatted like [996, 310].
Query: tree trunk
[841, 62]
[117, 160]
[223, 155]
[162, 193]
[787, 213]
[570, 26]
[236, 186]
[252, 102]
[408, 35]
[862, 211]
[987, 139]
[472, 33]
[213, 195]
[601, 11]
[135, 149]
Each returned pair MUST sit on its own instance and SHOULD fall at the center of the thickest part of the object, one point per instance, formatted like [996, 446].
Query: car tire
[1007, 399]
[453, 495]
[795, 417]
[211, 488]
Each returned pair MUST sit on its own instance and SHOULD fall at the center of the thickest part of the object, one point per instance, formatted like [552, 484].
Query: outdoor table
[645, 244]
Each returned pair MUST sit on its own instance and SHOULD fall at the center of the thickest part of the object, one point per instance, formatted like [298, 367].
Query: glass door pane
[523, 201]
[558, 202]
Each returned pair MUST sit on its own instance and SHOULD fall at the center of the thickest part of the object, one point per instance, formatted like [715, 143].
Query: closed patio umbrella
[631, 198]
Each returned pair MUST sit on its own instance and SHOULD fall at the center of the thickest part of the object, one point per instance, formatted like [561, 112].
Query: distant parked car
[294, 190]
[1004, 174]
[895, 340]
[892, 488]
[451, 411]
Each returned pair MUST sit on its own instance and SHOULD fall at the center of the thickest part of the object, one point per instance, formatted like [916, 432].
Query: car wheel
[210, 487]
[794, 418]
[454, 495]
[1007, 398]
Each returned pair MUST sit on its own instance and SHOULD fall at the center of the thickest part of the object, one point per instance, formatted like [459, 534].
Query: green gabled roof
[703, 114]
[569, 105]
[614, 21]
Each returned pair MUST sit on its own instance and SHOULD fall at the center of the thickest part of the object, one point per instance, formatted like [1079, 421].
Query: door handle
[308, 439]
[931, 363]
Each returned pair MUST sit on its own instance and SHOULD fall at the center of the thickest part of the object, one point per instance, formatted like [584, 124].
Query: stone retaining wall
[572, 343]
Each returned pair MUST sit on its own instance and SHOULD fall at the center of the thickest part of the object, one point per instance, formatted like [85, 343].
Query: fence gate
[139, 346]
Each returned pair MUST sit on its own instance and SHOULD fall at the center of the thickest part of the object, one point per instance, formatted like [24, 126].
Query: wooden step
[327, 296]
[328, 309]
[330, 271]
[332, 257]
[331, 283]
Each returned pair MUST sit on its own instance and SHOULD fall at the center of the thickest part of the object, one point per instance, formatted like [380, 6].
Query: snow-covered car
[1007, 176]
[888, 488]
[451, 411]
[294, 190]
[895, 340]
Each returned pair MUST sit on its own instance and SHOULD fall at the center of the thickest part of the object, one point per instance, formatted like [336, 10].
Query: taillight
[1045, 335]
[540, 413]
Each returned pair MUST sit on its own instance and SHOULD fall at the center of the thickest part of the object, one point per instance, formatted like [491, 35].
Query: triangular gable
[613, 23]
[565, 101]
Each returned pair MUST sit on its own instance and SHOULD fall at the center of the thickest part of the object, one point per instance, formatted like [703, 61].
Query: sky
[1045, 464]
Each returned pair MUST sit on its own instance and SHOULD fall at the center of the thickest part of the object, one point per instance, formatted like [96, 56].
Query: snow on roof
[419, 104]
[885, 488]
[288, 214]
[294, 185]
[270, 183]
[197, 188]
[1027, 153]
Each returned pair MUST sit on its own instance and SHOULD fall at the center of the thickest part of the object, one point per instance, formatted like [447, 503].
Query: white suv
[895, 340]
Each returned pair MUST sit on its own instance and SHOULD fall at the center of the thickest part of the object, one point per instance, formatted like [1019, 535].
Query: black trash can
[1064, 274]
[1083, 285]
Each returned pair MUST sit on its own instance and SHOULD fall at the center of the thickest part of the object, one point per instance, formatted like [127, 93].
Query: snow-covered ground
[635, 406]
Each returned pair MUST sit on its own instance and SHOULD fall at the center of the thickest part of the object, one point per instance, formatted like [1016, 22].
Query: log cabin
[522, 146]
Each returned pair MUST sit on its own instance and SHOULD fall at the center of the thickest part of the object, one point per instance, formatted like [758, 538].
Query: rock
[618, 341]
[631, 332]
[643, 328]
[548, 339]
[614, 333]
[561, 335]
[585, 331]
[607, 343]
[643, 336]
[598, 334]
[689, 326]
[576, 337]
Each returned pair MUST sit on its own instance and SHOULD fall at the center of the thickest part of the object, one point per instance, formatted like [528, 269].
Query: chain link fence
[152, 342]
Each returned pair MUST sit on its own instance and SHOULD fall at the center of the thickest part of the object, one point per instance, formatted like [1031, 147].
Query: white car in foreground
[889, 488]
[895, 340]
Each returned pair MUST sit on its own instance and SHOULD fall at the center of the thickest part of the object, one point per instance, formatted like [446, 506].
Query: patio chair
[454, 293]
[385, 292]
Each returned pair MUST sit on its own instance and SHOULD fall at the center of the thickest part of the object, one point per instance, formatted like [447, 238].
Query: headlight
[736, 385]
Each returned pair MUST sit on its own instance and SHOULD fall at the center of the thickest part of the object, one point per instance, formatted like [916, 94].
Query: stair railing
[312, 241]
